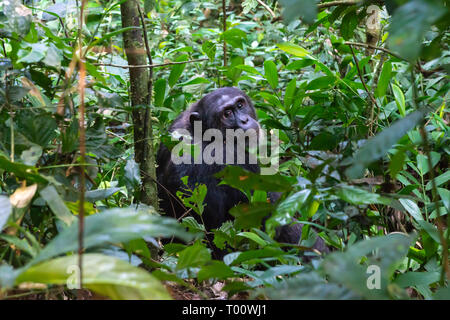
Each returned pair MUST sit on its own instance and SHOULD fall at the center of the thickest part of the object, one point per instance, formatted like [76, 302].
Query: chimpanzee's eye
[240, 105]
[227, 113]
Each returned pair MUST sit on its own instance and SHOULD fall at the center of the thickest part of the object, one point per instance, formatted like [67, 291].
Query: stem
[440, 225]
[224, 22]
[81, 110]
[365, 88]
[148, 65]
[267, 8]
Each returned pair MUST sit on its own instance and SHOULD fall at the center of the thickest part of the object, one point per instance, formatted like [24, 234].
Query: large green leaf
[409, 24]
[379, 145]
[308, 286]
[108, 276]
[193, 256]
[113, 226]
[306, 9]
[271, 73]
[384, 79]
[239, 178]
[57, 205]
[177, 70]
[250, 215]
[21, 170]
[382, 253]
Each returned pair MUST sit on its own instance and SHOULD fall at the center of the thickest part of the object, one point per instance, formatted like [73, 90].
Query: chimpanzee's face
[229, 108]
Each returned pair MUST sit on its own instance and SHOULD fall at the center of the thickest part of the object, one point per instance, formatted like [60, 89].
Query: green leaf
[445, 197]
[412, 279]
[53, 56]
[160, 91]
[21, 170]
[440, 180]
[214, 270]
[385, 78]
[20, 244]
[194, 256]
[289, 94]
[250, 215]
[355, 195]
[271, 73]
[321, 83]
[288, 207]
[193, 225]
[422, 162]
[308, 286]
[102, 274]
[209, 49]
[57, 205]
[377, 146]
[39, 129]
[5, 210]
[37, 53]
[234, 37]
[293, 49]
[254, 237]
[16, 93]
[299, 64]
[237, 177]
[31, 156]
[412, 208]
[112, 35]
[430, 229]
[382, 253]
[252, 256]
[399, 100]
[397, 162]
[177, 70]
[409, 24]
[113, 226]
[349, 24]
[306, 9]
[100, 194]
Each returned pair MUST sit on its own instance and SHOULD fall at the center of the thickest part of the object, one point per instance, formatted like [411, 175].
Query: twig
[337, 3]
[267, 8]
[440, 225]
[224, 10]
[366, 45]
[365, 86]
[81, 87]
[147, 65]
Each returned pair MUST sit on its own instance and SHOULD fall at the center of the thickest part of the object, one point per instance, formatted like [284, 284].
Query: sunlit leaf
[108, 276]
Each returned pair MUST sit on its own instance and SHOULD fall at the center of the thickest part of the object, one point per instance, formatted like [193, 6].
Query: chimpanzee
[224, 108]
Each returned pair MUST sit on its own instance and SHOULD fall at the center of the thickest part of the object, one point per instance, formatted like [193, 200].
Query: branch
[337, 3]
[365, 86]
[147, 65]
[267, 8]
[365, 45]
[224, 22]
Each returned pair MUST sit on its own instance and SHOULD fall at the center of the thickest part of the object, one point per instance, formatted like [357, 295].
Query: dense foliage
[358, 90]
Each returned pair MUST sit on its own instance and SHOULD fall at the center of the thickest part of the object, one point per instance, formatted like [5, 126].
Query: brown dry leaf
[22, 196]
[34, 91]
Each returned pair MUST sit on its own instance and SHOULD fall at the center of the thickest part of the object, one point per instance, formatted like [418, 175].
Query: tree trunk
[140, 101]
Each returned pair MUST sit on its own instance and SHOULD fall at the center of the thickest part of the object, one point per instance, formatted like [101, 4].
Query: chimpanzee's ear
[194, 116]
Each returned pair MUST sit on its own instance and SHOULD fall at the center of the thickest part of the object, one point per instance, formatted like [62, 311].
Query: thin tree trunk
[140, 101]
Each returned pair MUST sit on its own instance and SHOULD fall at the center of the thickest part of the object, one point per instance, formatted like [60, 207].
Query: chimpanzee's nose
[244, 120]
